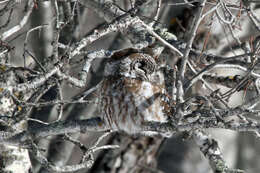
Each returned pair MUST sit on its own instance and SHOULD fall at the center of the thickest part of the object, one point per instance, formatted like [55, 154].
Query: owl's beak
[144, 76]
[147, 77]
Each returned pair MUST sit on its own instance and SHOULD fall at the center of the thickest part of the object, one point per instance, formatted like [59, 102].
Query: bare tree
[65, 85]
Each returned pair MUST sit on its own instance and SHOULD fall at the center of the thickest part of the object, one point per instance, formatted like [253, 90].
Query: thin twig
[22, 23]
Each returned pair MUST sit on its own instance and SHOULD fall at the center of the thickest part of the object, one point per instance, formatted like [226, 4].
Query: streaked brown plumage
[132, 92]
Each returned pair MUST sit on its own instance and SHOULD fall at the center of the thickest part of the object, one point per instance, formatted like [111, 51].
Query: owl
[132, 92]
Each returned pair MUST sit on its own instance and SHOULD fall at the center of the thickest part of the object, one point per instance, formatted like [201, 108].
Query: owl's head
[134, 65]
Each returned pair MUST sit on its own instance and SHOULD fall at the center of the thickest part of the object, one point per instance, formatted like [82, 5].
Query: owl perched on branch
[133, 92]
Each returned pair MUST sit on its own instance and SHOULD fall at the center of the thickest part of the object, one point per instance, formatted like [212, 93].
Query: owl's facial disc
[140, 70]
[143, 68]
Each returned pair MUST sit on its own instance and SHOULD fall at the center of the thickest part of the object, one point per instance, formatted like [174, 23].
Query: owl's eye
[141, 65]
[143, 68]
[144, 65]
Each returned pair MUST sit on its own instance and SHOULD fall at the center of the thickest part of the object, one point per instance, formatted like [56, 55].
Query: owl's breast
[150, 102]
[128, 103]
